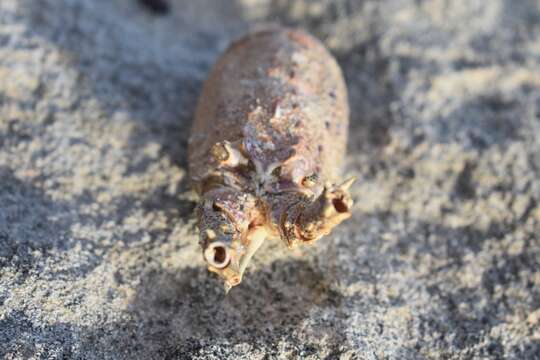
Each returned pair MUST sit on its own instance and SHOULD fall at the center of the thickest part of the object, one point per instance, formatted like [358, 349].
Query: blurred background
[98, 250]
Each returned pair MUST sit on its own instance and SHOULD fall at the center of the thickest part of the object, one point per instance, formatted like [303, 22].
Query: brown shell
[267, 145]
[280, 94]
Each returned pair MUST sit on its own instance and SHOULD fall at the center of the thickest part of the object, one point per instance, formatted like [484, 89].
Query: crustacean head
[247, 201]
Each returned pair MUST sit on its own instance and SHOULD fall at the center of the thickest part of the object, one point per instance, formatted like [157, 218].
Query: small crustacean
[267, 146]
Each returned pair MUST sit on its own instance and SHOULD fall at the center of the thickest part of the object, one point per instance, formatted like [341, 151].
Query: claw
[330, 209]
[344, 186]
[229, 223]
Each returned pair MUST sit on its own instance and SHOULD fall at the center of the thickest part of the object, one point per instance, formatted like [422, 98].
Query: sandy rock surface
[98, 249]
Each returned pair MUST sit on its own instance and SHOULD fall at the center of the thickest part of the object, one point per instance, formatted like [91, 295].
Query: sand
[98, 247]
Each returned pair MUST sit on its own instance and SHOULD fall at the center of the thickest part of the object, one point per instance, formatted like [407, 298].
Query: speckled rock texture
[98, 250]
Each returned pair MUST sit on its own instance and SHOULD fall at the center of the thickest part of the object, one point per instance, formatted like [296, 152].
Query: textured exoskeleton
[267, 146]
